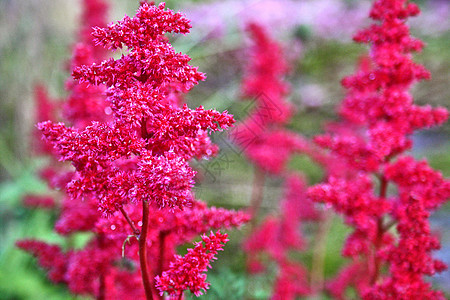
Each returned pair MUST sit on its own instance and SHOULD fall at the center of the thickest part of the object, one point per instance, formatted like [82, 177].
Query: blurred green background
[35, 41]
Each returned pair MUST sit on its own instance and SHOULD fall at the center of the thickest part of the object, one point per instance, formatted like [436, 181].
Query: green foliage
[225, 284]
[19, 277]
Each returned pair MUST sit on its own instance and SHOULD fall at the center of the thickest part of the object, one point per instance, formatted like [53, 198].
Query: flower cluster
[378, 119]
[145, 130]
[130, 144]
[278, 236]
[270, 147]
[261, 135]
[188, 272]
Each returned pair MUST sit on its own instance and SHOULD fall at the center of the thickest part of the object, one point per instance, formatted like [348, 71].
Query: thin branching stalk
[319, 253]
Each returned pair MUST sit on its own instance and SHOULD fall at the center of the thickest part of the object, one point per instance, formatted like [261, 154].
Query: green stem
[257, 197]
[318, 260]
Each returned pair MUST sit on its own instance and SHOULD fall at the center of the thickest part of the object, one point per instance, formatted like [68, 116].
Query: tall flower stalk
[391, 242]
[270, 146]
[131, 155]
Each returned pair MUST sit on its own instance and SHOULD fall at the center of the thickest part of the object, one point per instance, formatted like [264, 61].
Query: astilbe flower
[270, 147]
[46, 109]
[84, 103]
[260, 135]
[187, 272]
[278, 236]
[130, 143]
[38, 201]
[166, 230]
[154, 135]
[378, 119]
[50, 257]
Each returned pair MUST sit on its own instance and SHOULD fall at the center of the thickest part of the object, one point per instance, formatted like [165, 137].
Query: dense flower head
[267, 145]
[77, 215]
[96, 145]
[377, 96]
[266, 69]
[84, 270]
[417, 178]
[188, 272]
[156, 67]
[49, 257]
[46, 109]
[352, 147]
[146, 128]
[272, 149]
[130, 141]
[351, 198]
[94, 14]
[98, 151]
[152, 22]
[378, 100]
[379, 118]
[182, 130]
[421, 190]
[85, 102]
[361, 209]
[39, 201]
[151, 60]
[165, 179]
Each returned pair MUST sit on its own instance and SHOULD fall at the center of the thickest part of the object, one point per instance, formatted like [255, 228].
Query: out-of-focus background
[35, 45]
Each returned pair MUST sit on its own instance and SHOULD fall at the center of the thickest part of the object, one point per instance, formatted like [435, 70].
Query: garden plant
[122, 148]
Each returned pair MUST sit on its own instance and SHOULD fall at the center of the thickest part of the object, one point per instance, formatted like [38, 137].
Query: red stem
[383, 187]
[144, 133]
[101, 288]
[148, 286]
[374, 262]
[101, 285]
[135, 230]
